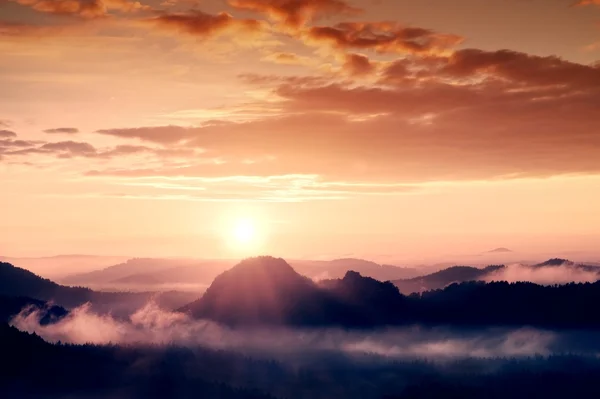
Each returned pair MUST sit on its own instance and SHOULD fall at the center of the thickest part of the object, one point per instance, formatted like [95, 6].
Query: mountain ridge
[248, 294]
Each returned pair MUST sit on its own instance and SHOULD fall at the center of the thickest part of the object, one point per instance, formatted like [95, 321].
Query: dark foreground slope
[268, 291]
[31, 368]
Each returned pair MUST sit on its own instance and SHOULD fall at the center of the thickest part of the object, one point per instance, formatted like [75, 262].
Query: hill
[11, 306]
[197, 275]
[552, 271]
[268, 291]
[18, 282]
[128, 269]
[56, 267]
[442, 278]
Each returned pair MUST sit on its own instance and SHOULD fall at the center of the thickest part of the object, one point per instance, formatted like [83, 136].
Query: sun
[244, 232]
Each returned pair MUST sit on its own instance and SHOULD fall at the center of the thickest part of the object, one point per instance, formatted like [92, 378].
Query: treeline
[32, 368]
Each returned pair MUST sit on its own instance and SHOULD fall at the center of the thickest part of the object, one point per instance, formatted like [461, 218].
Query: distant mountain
[442, 278]
[15, 281]
[193, 274]
[499, 251]
[201, 273]
[126, 269]
[58, 266]
[337, 268]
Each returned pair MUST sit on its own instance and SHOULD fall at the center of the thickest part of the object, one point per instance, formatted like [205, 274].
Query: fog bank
[151, 325]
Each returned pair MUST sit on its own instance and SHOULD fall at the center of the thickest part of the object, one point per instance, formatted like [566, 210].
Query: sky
[299, 128]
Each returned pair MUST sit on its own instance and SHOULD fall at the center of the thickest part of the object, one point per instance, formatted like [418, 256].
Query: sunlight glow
[244, 232]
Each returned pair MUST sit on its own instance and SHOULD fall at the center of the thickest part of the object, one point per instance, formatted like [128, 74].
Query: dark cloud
[358, 65]
[82, 8]
[159, 134]
[121, 150]
[295, 13]
[70, 148]
[17, 143]
[204, 25]
[520, 68]
[7, 134]
[382, 37]
[62, 130]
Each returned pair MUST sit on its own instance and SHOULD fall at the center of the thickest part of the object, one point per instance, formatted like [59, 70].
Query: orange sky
[365, 128]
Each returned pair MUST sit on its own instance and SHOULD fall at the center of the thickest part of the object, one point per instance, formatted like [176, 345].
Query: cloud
[159, 134]
[358, 65]
[204, 25]
[17, 143]
[70, 148]
[27, 30]
[587, 2]
[520, 69]
[405, 134]
[295, 13]
[62, 130]
[285, 58]
[212, 184]
[4, 122]
[83, 8]
[548, 275]
[381, 37]
[151, 325]
[7, 134]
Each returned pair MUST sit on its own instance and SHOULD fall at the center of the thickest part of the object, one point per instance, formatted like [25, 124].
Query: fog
[151, 325]
[560, 274]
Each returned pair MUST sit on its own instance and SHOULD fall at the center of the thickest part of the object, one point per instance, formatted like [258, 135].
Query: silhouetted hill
[18, 282]
[15, 281]
[442, 278]
[509, 304]
[268, 291]
[56, 267]
[379, 302]
[11, 306]
[554, 262]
